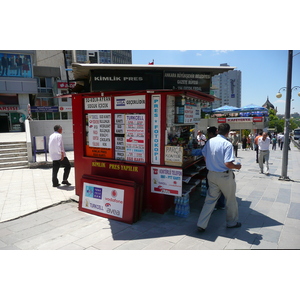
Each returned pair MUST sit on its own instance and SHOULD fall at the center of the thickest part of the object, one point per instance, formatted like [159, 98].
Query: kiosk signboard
[107, 80]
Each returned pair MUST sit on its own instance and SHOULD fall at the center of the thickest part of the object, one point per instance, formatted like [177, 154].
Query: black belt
[264, 150]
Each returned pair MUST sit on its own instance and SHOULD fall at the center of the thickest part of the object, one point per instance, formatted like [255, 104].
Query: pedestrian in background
[235, 142]
[281, 141]
[201, 138]
[264, 152]
[251, 136]
[244, 143]
[256, 144]
[274, 142]
[219, 158]
[58, 156]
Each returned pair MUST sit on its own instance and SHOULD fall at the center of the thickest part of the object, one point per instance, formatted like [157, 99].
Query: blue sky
[264, 72]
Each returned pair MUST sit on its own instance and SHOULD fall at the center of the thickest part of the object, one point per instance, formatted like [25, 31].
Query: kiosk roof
[82, 71]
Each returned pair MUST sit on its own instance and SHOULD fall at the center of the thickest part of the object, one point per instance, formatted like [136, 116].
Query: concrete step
[12, 145]
[13, 155]
[9, 155]
[12, 165]
[12, 159]
[12, 151]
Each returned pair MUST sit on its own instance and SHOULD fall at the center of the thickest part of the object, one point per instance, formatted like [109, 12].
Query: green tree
[278, 124]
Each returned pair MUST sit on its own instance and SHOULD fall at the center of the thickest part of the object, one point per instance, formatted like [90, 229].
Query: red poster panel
[113, 200]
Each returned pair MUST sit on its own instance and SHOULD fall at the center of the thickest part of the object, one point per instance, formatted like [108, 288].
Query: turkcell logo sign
[120, 102]
[93, 192]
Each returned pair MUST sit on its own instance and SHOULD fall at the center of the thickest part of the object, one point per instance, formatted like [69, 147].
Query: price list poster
[135, 137]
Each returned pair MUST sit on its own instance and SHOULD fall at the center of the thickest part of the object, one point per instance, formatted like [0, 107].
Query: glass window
[64, 116]
[42, 116]
[56, 116]
[49, 116]
[34, 116]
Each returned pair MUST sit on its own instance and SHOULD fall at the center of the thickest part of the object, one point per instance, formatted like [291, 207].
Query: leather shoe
[66, 182]
[200, 229]
[56, 185]
[237, 225]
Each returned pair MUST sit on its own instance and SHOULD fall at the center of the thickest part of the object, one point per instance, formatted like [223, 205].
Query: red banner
[64, 85]
[221, 120]
[257, 119]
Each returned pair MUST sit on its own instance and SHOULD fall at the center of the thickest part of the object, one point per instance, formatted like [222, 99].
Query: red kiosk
[134, 134]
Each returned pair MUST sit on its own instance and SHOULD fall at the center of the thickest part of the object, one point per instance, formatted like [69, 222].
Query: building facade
[227, 87]
[17, 88]
[30, 81]
[54, 76]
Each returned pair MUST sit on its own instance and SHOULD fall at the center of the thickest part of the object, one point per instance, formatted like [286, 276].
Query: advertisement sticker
[130, 102]
[103, 199]
[166, 181]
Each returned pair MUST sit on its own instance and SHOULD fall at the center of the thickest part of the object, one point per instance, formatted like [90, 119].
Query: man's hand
[62, 156]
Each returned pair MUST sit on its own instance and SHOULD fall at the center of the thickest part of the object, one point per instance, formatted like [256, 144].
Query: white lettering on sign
[130, 102]
[155, 129]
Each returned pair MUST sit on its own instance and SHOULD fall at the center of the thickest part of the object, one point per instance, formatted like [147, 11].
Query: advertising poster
[15, 65]
[166, 181]
[103, 199]
[189, 111]
[135, 137]
[99, 130]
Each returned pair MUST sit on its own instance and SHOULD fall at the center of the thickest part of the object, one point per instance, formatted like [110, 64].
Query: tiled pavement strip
[269, 210]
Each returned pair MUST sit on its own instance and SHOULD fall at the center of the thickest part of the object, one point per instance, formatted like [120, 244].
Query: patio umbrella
[226, 108]
[252, 107]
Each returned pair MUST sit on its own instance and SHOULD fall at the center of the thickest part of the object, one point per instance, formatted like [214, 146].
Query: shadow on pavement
[154, 225]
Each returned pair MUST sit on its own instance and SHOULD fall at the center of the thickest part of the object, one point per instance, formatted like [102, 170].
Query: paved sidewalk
[269, 212]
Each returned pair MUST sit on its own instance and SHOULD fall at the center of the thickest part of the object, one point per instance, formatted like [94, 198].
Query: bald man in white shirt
[58, 156]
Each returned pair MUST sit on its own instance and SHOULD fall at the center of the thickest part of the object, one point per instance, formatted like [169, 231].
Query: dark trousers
[60, 164]
[235, 148]
[256, 149]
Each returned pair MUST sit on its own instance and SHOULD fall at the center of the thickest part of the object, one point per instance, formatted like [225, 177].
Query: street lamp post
[288, 89]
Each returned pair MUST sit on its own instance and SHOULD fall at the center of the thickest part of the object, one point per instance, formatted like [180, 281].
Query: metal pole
[287, 118]
[67, 73]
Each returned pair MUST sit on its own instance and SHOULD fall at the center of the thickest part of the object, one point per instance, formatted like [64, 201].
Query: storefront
[133, 147]
[11, 118]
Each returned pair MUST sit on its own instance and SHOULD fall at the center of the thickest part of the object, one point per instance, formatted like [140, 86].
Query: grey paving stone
[270, 235]
[93, 238]
[131, 245]
[159, 244]
[294, 211]
[57, 243]
[71, 246]
[290, 238]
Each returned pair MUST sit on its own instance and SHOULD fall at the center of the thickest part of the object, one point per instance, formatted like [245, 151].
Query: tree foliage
[278, 124]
